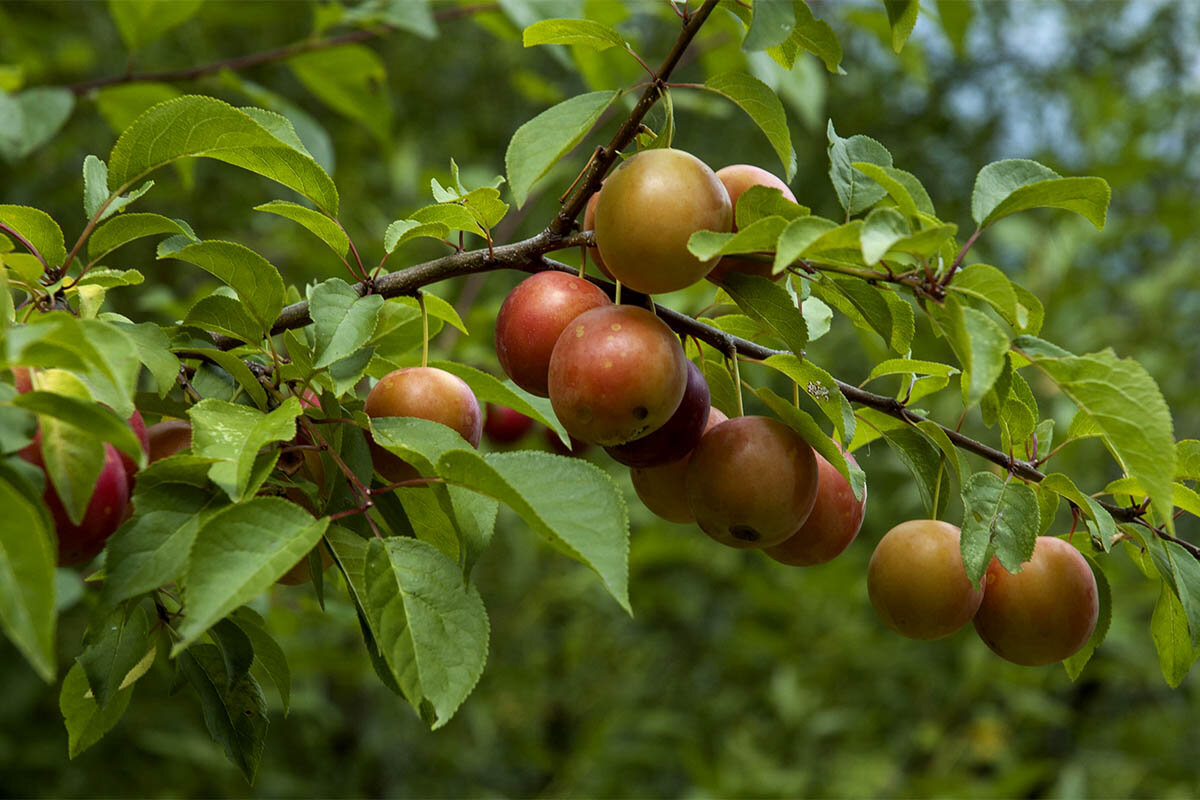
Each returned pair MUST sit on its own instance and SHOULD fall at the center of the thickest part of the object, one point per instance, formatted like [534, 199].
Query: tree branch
[605, 157]
[266, 56]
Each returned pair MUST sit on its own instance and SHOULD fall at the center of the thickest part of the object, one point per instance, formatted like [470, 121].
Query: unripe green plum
[647, 210]
[663, 489]
[616, 373]
[532, 318]
[429, 393]
[751, 482]
[1045, 612]
[917, 582]
[831, 527]
[737, 178]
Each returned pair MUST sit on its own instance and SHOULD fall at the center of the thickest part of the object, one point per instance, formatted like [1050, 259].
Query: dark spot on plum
[640, 412]
[745, 533]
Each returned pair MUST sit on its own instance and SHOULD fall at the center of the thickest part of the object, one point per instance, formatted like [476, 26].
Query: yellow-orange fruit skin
[168, 437]
[833, 524]
[663, 489]
[737, 178]
[917, 582]
[429, 393]
[751, 482]
[648, 209]
[1044, 613]
[617, 373]
[589, 224]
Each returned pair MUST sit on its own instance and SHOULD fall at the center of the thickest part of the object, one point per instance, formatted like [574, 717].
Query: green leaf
[432, 629]
[217, 313]
[235, 367]
[1104, 527]
[1074, 664]
[760, 202]
[238, 553]
[39, 229]
[86, 722]
[120, 105]
[489, 389]
[902, 16]
[142, 21]
[1001, 517]
[351, 80]
[31, 118]
[770, 304]
[235, 712]
[978, 342]
[1126, 405]
[342, 320]
[105, 278]
[95, 185]
[485, 205]
[194, 126]
[582, 513]
[1187, 459]
[28, 556]
[152, 549]
[756, 237]
[267, 652]
[807, 427]
[883, 228]
[452, 215]
[403, 231]
[87, 418]
[870, 308]
[813, 35]
[319, 225]
[821, 387]
[903, 187]
[907, 366]
[256, 281]
[1169, 630]
[233, 435]
[986, 283]
[113, 647]
[771, 24]
[542, 141]
[764, 107]
[855, 190]
[572, 31]
[797, 236]
[955, 16]
[1017, 184]
[129, 227]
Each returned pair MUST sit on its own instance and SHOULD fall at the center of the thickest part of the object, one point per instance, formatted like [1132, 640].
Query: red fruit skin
[663, 489]
[532, 318]
[429, 393]
[22, 379]
[104, 513]
[589, 224]
[139, 429]
[503, 425]
[751, 482]
[616, 374]
[166, 438]
[1045, 612]
[737, 178]
[678, 435]
[833, 524]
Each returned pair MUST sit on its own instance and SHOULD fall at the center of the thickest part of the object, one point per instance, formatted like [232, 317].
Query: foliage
[878, 285]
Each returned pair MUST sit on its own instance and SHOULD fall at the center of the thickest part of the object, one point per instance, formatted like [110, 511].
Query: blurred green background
[736, 676]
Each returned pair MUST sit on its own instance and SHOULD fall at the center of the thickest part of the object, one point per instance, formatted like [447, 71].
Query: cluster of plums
[1042, 614]
[617, 377]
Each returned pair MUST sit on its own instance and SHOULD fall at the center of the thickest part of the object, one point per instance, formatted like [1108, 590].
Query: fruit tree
[324, 395]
